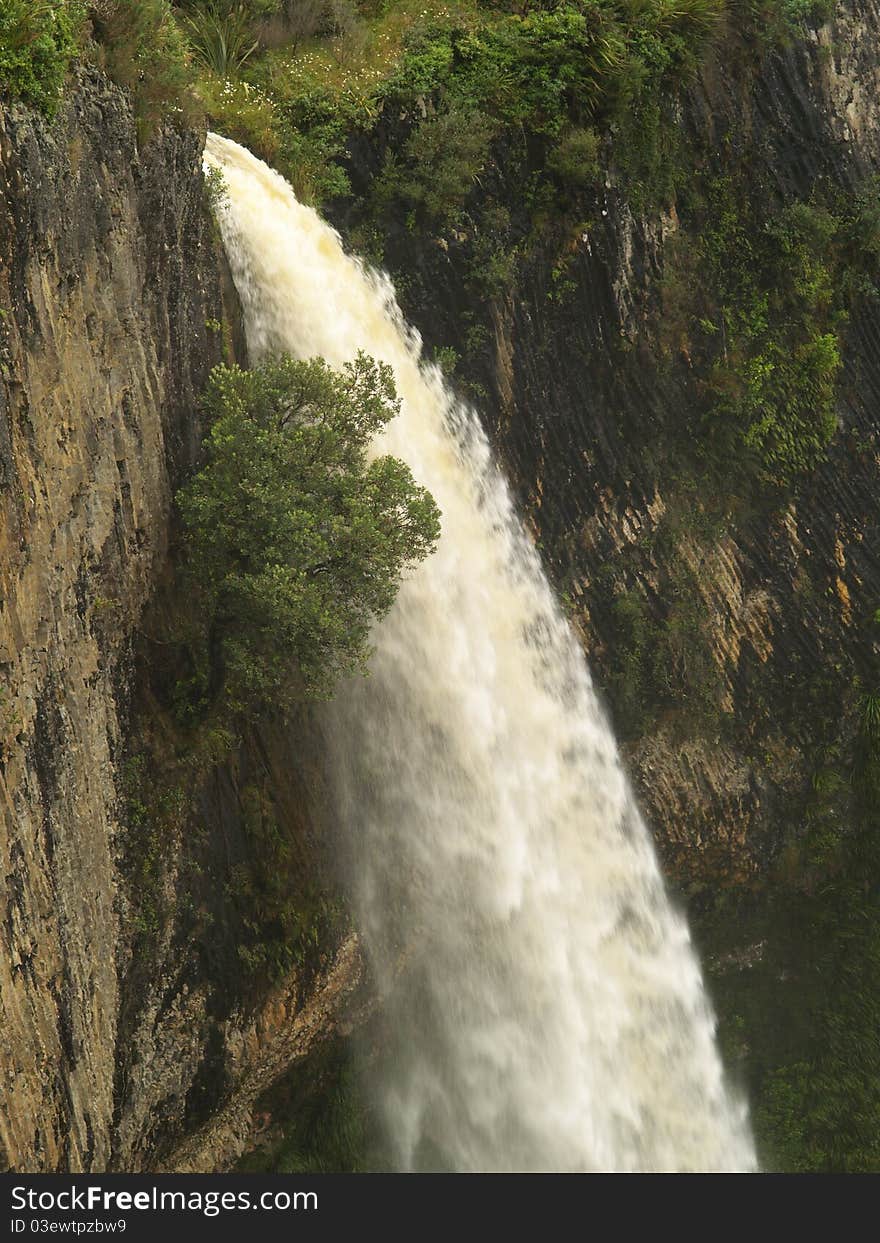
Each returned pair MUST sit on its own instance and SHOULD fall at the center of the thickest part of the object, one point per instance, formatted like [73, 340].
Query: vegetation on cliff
[494, 131]
[802, 1019]
[295, 541]
[757, 299]
[757, 295]
[431, 114]
[296, 78]
[37, 43]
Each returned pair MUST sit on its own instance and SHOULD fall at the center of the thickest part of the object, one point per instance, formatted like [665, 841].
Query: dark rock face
[730, 627]
[587, 404]
[117, 1043]
[781, 588]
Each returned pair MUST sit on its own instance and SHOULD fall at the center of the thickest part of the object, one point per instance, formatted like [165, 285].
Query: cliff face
[111, 287]
[732, 628]
[108, 277]
[591, 404]
[781, 586]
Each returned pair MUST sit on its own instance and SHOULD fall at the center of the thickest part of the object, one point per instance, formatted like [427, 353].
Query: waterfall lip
[551, 1013]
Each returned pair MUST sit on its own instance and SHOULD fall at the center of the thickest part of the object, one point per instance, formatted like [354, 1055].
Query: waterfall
[543, 1006]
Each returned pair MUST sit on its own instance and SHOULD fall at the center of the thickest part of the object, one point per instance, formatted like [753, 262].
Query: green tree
[296, 539]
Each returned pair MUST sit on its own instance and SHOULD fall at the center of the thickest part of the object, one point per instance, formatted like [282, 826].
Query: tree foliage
[769, 289]
[296, 538]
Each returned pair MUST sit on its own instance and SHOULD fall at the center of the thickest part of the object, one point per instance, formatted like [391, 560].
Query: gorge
[180, 962]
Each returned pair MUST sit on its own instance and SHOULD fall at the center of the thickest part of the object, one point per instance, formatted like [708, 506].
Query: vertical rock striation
[112, 287]
[108, 272]
[589, 396]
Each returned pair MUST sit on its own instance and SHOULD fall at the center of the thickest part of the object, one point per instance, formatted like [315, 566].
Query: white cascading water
[543, 1006]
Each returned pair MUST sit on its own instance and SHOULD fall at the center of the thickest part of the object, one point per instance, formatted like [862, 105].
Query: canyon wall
[117, 1038]
[590, 392]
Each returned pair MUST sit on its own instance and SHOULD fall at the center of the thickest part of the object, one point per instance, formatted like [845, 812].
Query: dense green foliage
[296, 78]
[779, 351]
[759, 297]
[533, 81]
[296, 541]
[37, 43]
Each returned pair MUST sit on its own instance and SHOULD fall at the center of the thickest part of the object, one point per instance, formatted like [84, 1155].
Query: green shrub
[144, 49]
[312, 136]
[37, 43]
[535, 70]
[296, 541]
[575, 160]
[221, 37]
[442, 162]
[216, 190]
[773, 289]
